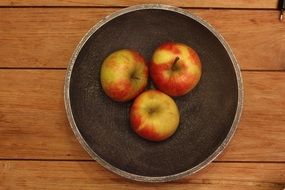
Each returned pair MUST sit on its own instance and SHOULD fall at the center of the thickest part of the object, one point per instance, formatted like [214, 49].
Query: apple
[175, 68]
[124, 75]
[154, 115]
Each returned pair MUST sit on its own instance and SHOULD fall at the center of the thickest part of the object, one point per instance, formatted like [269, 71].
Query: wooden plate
[209, 114]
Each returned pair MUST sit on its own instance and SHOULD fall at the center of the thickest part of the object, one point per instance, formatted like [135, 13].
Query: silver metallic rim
[122, 172]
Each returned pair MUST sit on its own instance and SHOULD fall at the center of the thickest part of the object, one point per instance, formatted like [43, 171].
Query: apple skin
[154, 115]
[175, 79]
[124, 75]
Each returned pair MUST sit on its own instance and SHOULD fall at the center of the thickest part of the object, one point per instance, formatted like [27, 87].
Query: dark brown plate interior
[207, 113]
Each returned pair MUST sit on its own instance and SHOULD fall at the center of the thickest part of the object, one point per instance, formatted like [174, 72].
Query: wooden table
[37, 147]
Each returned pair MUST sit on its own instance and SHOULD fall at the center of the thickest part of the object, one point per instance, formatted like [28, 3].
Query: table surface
[37, 147]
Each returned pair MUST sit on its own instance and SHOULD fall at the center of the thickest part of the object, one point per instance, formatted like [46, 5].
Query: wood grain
[34, 124]
[48, 39]
[263, 119]
[32, 117]
[89, 175]
[260, 4]
[37, 147]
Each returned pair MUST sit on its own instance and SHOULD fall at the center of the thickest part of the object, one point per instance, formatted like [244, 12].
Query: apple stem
[152, 110]
[133, 76]
[174, 65]
[136, 78]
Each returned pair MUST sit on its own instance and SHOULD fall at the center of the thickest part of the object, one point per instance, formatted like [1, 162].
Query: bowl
[209, 113]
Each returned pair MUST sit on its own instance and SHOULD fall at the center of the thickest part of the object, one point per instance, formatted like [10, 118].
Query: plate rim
[109, 166]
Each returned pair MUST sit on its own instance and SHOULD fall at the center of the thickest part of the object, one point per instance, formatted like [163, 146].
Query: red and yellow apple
[124, 75]
[154, 115]
[175, 68]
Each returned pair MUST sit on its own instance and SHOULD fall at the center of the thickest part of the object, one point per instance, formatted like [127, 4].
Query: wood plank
[89, 175]
[32, 117]
[34, 124]
[46, 37]
[259, 134]
[261, 4]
